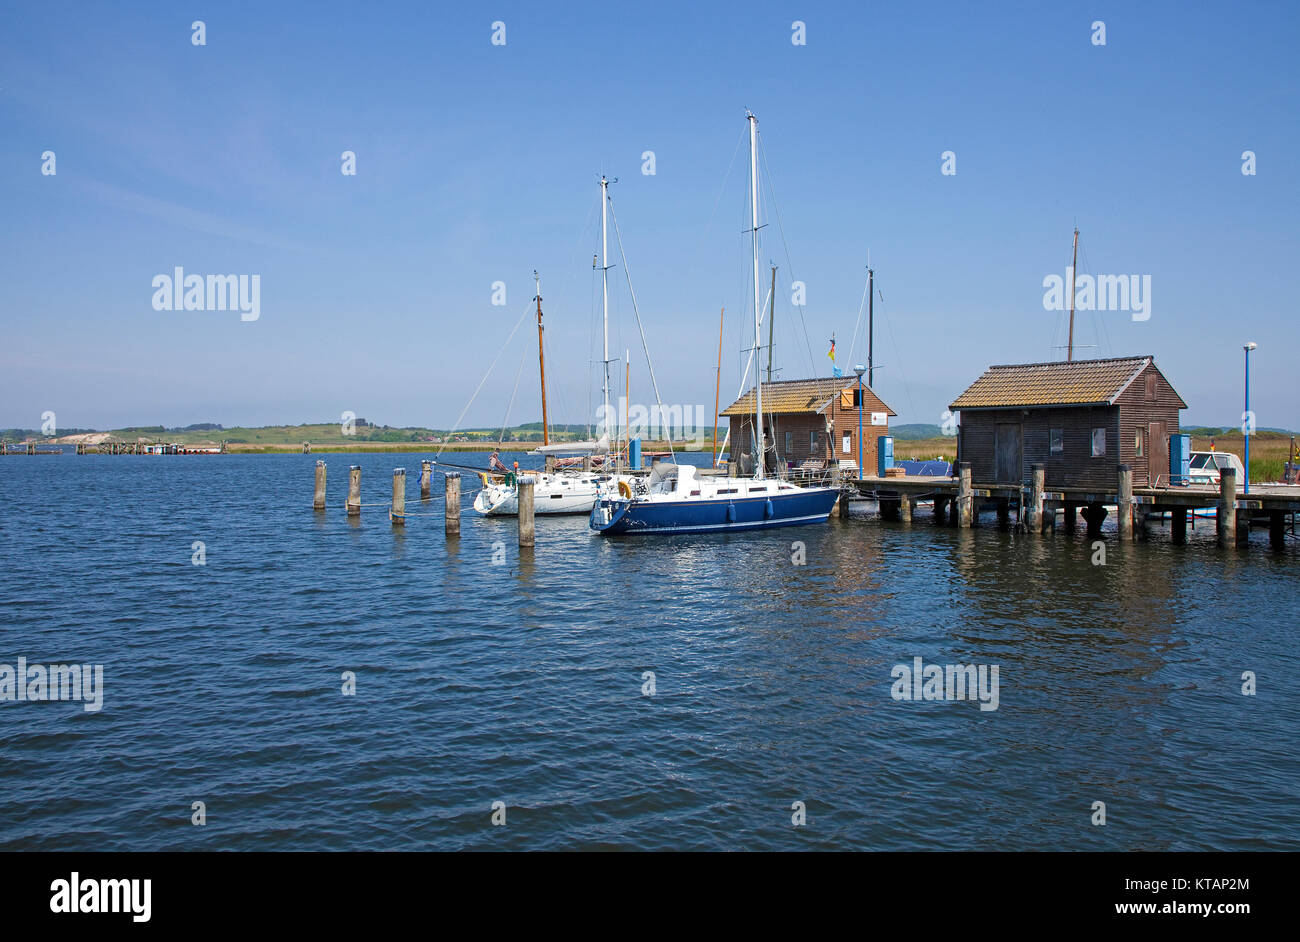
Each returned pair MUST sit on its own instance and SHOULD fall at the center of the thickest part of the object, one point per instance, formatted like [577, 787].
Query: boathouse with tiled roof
[812, 419]
[1079, 419]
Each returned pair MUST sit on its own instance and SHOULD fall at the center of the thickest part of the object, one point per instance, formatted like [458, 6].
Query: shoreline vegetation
[1269, 447]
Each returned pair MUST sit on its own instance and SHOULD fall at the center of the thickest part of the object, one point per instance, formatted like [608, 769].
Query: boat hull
[805, 506]
[570, 498]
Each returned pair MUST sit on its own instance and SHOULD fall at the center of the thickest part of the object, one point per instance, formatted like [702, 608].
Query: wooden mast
[1069, 350]
[541, 360]
[717, 391]
[771, 324]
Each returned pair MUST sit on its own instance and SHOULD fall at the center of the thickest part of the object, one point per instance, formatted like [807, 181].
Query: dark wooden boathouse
[1079, 419]
[812, 420]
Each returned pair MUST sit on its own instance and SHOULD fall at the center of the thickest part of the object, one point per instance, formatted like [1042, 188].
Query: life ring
[624, 491]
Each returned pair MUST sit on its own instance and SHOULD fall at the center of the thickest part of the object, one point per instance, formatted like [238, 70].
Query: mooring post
[1178, 524]
[1227, 522]
[549, 464]
[526, 536]
[1038, 481]
[1124, 502]
[837, 509]
[426, 479]
[586, 464]
[451, 504]
[965, 497]
[398, 512]
[318, 501]
[905, 507]
[354, 491]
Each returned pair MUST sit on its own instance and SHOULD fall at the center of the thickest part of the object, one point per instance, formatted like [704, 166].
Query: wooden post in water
[398, 512]
[1124, 502]
[965, 496]
[526, 536]
[586, 463]
[318, 501]
[837, 509]
[1277, 529]
[1034, 516]
[426, 479]
[549, 464]
[905, 502]
[1227, 516]
[1178, 524]
[451, 508]
[354, 491]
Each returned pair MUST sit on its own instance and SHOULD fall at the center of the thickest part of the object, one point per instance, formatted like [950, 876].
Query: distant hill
[915, 431]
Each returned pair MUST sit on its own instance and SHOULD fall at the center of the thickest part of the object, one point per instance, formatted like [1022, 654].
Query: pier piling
[1034, 516]
[1124, 502]
[905, 502]
[1227, 515]
[1277, 529]
[354, 491]
[318, 501]
[965, 496]
[1178, 524]
[426, 479]
[451, 504]
[398, 512]
[526, 536]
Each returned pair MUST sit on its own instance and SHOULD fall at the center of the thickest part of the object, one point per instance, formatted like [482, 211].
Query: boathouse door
[1007, 468]
[1157, 454]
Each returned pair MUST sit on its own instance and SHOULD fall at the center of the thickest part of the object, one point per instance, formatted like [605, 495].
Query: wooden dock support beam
[1034, 515]
[318, 501]
[1124, 503]
[1277, 529]
[397, 514]
[526, 534]
[1178, 524]
[426, 479]
[451, 504]
[1227, 515]
[354, 491]
[965, 496]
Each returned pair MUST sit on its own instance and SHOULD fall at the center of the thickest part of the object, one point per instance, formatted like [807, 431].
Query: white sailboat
[563, 491]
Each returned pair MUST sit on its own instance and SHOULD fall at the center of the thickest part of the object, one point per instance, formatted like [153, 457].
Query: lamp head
[859, 369]
[1250, 346]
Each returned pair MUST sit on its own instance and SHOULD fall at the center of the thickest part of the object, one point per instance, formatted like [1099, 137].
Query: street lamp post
[1247, 426]
[862, 401]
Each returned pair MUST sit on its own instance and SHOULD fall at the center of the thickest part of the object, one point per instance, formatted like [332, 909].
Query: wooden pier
[958, 501]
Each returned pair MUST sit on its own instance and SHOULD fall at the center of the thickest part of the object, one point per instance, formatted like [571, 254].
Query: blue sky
[478, 163]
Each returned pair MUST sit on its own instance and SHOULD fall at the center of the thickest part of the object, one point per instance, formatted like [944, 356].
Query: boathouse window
[1056, 438]
[857, 397]
[848, 443]
[812, 442]
[789, 443]
[1099, 443]
[1137, 443]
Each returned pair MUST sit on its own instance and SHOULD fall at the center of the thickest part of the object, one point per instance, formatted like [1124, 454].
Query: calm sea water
[522, 682]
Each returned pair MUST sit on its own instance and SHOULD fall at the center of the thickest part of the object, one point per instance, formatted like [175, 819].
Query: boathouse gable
[1079, 419]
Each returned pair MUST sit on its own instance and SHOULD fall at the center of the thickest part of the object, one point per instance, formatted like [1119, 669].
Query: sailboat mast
[1069, 350]
[604, 283]
[871, 326]
[541, 360]
[717, 393]
[759, 444]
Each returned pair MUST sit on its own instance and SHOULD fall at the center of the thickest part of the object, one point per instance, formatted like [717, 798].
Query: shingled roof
[802, 395]
[1077, 383]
